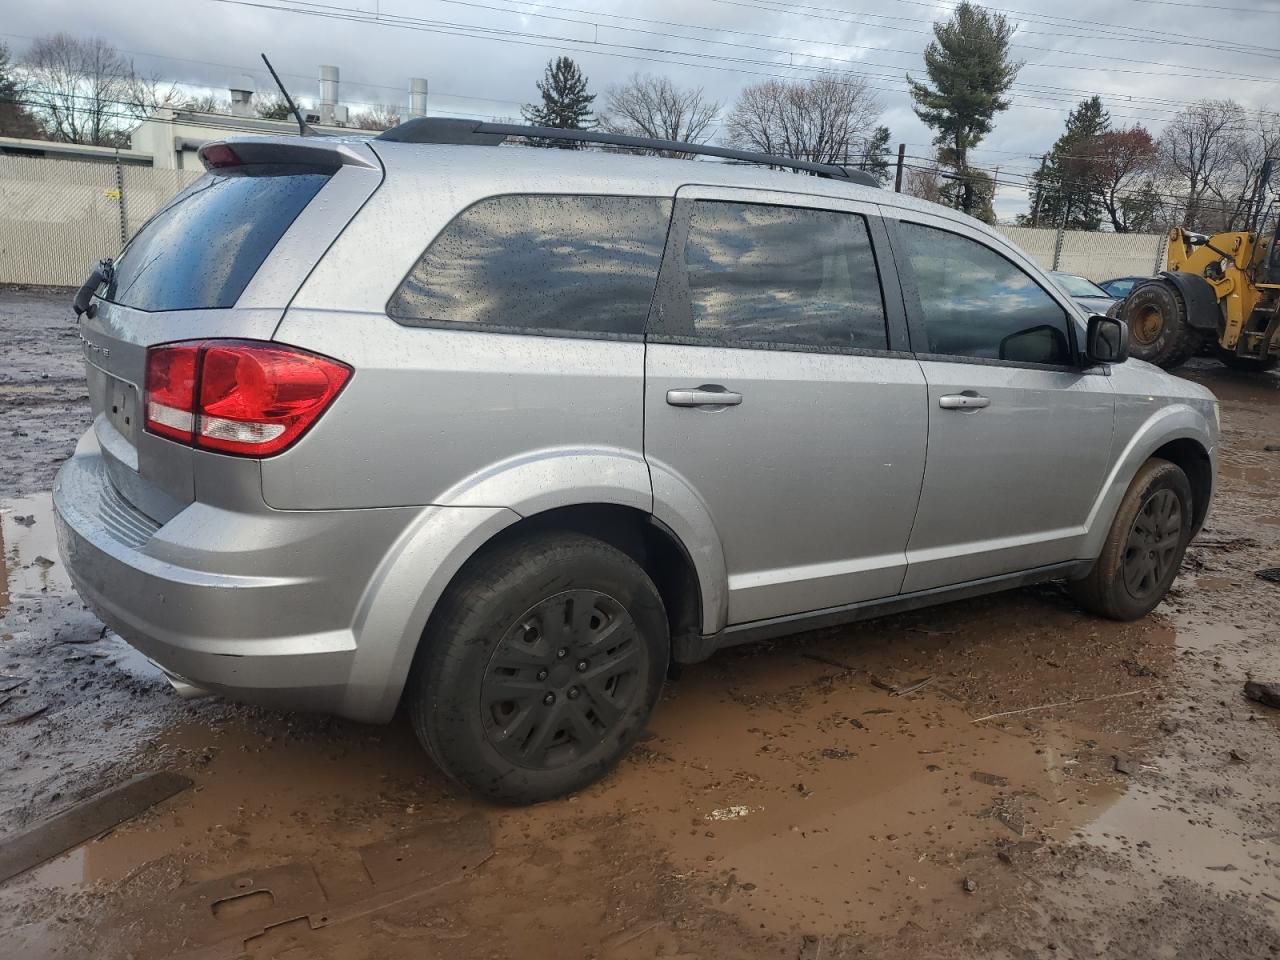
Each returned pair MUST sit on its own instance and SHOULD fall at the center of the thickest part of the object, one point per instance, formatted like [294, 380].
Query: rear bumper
[256, 606]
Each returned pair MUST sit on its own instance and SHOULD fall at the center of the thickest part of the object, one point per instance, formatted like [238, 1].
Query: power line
[771, 6]
[1146, 38]
[628, 51]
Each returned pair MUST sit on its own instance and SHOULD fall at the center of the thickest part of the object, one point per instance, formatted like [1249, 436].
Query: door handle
[703, 397]
[963, 401]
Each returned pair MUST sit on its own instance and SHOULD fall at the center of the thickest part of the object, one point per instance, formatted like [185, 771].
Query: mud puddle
[781, 792]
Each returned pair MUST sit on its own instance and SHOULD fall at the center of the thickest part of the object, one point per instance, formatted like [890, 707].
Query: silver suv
[501, 433]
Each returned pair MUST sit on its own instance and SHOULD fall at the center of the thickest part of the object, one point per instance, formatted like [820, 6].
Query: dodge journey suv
[501, 433]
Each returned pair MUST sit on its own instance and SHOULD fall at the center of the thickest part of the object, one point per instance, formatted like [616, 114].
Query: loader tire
[1158, 329]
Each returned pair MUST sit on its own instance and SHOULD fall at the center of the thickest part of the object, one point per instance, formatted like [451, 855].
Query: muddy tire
[1158, 329]
[1144, 548]
[1245, 364]
[539, 667]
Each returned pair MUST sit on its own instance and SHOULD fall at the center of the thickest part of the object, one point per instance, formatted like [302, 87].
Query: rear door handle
[963, 401]
[703, 397]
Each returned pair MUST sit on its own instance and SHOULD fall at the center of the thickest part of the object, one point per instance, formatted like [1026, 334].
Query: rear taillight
[171, 390]
[238, 396]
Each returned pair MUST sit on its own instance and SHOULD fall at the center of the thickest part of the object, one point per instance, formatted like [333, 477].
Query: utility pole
[897, 179]
[1061, 235]
[1039, 188]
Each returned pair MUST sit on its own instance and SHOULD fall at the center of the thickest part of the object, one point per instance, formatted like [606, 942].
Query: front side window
[575, 264]
[975, 303]
[783, 275]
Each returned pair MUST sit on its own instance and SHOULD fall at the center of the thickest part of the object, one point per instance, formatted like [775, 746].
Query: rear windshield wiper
[100, 274]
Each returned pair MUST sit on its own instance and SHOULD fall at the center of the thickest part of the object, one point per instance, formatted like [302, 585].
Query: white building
[170, 137]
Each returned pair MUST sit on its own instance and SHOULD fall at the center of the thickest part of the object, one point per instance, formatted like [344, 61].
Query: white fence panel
[1092, 254]
[59, 217]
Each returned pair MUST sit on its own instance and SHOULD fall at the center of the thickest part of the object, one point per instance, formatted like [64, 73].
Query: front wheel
[1144, 548]
[1159, 331]
[540, 667]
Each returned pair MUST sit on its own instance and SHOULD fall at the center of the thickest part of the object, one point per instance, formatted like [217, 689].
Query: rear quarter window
[201, 250]
[541, 263]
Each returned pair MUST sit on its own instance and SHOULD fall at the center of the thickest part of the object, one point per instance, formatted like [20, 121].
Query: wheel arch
[1176, 433]
[396, 612]
[1193, 459]
[1203, 310]
[646, 540]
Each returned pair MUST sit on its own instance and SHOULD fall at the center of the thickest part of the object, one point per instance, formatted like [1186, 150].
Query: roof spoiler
[480, 133]
[325, 152]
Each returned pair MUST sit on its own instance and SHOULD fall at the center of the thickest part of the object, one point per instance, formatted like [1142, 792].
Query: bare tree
[826, 120]
[1257, 140]
[649, 106]
[82, 90]
[151, 93]
[1200, 152]
[925, 182]
[272, 106]
[380, 116]
[206, 103]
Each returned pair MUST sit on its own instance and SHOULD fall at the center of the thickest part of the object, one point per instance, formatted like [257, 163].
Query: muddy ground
[1062, 786]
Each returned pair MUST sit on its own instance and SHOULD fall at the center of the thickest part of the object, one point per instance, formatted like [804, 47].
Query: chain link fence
[59, 217]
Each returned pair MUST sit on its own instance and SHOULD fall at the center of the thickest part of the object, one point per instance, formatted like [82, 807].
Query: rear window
[541, 263]
[201, 250]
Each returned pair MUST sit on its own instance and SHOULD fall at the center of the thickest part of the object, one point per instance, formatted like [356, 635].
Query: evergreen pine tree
[969, 72]
[15, 119]
[565, 101]
[875, 157]
[1067, 186]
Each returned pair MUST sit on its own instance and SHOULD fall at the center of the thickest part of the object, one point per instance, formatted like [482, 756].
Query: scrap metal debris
[85, 820]
[31, 714]
[735, 812]
[1267, 694]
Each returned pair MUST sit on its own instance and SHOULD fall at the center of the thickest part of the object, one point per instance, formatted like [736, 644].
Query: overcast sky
[481, 57]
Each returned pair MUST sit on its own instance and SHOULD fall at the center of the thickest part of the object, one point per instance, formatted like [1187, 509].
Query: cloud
[720, 45]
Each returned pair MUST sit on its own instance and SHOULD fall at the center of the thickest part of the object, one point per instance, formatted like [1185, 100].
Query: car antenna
[304, 129]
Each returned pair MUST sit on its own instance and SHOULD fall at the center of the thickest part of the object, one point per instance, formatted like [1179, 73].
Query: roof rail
[480, 133]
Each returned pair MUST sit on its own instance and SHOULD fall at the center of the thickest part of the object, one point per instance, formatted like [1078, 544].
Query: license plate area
[121, 407]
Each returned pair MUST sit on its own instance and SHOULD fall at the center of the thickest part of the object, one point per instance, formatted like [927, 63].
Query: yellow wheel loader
[1223, 290]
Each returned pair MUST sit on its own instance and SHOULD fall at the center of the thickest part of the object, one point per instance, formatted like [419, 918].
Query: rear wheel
[540, 667]
[1158, 329]
[1144, 548]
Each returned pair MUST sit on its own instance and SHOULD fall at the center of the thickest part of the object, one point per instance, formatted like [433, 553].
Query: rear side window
[783, 276]
[201, 251]
[531, 263]
[975, 303]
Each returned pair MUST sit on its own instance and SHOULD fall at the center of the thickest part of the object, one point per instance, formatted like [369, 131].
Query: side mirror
[101, 273]
[1107, 340]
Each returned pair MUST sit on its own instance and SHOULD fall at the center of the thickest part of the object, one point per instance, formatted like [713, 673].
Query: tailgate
[222, 260]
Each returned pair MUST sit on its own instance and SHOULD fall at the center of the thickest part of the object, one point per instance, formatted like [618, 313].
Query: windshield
[201, 251]
[1079, 286]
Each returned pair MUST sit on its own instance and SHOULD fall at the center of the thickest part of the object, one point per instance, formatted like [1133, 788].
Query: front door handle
[703, 396]
[963, 401]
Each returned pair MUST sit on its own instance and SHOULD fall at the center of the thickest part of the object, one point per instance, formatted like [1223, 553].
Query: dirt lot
[1063, 786]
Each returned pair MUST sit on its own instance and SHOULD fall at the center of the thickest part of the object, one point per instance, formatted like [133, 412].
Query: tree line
[1200, 172]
